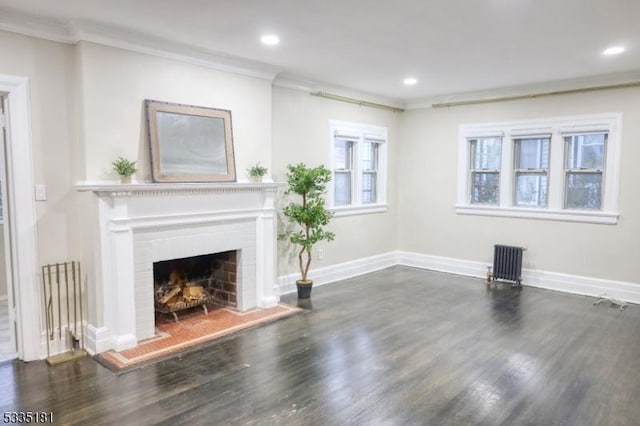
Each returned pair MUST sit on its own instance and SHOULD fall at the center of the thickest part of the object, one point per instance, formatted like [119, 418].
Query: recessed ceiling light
[410, 81]
[613, 50]
[270, 39]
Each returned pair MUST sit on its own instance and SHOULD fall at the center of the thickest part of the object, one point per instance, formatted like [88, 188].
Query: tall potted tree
[310, 215]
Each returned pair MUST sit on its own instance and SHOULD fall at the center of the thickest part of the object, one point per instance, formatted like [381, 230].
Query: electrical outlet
[320, 254]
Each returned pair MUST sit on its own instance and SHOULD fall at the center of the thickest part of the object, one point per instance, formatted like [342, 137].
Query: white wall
[116, 82]
[429, 224]
[49, 68]
[301, 134]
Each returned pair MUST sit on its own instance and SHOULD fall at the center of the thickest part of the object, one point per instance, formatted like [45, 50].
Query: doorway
[8, 348]
[20, 236]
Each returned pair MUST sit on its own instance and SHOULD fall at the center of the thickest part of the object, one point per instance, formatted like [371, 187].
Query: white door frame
[12, 349]
[22, 217]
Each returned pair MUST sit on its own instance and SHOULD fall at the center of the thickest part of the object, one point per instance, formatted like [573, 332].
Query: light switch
[41, 192]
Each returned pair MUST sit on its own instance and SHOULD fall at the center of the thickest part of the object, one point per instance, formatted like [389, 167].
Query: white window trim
[360, 131]
[557, 127]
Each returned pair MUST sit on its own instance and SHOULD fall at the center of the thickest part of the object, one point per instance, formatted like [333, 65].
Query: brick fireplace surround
[139, 224]
[214, 272]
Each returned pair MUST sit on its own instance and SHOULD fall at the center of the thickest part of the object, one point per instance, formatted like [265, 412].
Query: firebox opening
[209, 279]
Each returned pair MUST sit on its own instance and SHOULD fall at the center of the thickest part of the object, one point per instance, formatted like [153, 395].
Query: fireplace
[140, 225]
[191, 282]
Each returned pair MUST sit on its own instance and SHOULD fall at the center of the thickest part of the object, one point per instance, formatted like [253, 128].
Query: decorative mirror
[190, 143]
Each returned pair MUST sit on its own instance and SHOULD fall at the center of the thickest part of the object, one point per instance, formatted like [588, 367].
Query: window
[369, 171]
[358, 161]
[342, 171]
[531, 171]
[584, 167]
[485, 170]
[558, 168]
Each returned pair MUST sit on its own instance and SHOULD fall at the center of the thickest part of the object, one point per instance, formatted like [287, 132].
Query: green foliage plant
[124, 167]
[308, 212]
[257, 170]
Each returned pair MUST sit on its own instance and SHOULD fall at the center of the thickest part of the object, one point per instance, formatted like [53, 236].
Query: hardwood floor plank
[401, 346]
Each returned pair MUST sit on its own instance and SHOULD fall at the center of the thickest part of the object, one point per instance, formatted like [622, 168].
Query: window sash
[580, 194]
[543, 151]
[485, 166]
[346, 162]
[369, 192]
[575, 152]
[531, 184]
[488, 194]
[369, 171]
[343, 173]
[538, 186]
[343, 187]
[369, 155]
[584, 174]
[486, 153]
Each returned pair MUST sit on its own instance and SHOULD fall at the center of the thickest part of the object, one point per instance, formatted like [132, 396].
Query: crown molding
[125, 39]
[74, 31]
[36, 26]
[528, 89]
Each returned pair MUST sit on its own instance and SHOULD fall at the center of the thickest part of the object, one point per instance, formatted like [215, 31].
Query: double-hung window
[358, 162]
[531, 171]
[584, 168]
[369, 170]
[486, 157]
[557, 168]
[343, 170]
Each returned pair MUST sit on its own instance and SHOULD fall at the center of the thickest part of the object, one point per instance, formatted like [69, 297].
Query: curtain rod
[537, 95]
[356, 101]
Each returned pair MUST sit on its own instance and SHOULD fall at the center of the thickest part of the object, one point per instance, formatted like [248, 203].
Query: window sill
[357, 210]
[599, 217]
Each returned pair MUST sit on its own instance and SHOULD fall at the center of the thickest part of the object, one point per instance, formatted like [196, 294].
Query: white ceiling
[450, 46]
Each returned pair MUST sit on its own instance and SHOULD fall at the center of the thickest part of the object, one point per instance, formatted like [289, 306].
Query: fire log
[173, 292]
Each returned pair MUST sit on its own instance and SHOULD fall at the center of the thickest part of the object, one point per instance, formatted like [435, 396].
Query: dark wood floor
[401, 346]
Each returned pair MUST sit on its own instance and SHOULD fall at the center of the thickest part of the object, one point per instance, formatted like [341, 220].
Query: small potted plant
[124, 168]
[310, 214]
[257, 172]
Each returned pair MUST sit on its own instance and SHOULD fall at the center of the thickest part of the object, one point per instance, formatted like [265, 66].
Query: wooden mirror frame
[189, 143]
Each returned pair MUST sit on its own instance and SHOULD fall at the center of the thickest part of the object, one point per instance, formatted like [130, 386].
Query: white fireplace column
[145, 223]
[266, 273]
[120, 258]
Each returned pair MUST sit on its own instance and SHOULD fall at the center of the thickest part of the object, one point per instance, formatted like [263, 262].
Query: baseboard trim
[97, 339]
[586, 286]
[449, 265]
[574, 284]
[341, 271]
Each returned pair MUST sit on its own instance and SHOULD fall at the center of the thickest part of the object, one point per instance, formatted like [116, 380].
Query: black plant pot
[304, 289]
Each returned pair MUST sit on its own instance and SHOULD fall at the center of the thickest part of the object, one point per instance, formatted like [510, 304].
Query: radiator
[507, 263]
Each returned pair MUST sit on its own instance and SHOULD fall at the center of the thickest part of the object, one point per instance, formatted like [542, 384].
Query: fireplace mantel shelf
[142, 188]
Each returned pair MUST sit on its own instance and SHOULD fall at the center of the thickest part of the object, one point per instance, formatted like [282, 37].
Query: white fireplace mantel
[117, 190]
[142, 223]
[142, 187]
